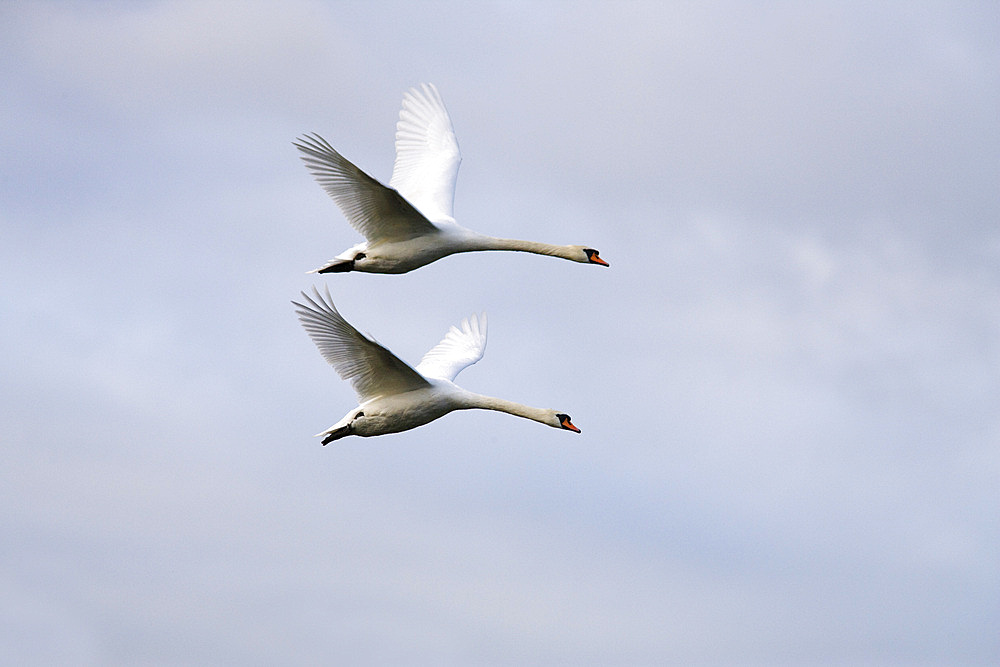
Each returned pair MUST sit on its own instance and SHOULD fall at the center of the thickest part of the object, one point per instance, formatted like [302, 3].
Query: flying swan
[410, 223]
[393, 396]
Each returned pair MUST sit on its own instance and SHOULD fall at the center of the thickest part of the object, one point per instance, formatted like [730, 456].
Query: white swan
[393, 396]
[410, 223]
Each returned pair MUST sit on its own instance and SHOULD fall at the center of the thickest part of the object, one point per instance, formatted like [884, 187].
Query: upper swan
[411, 222]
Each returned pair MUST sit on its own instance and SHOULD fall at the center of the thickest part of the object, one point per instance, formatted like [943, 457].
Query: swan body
[393, 396]
[410, 222]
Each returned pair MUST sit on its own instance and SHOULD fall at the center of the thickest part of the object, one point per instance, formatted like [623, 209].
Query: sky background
[788, 381]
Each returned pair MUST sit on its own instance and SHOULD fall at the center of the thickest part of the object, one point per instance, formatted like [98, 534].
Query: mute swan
[393, 396]
[410, 223]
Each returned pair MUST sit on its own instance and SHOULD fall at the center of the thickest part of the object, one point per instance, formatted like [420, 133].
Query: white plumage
[392, 395]
[411, 222]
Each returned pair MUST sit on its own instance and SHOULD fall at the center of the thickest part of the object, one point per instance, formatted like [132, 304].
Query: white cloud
[170, 54]
[786, 381]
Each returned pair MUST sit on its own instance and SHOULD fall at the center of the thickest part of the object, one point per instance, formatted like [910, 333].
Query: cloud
[786, 382]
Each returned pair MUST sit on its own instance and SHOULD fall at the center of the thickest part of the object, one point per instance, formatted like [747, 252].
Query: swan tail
[335, 433]
[336, 266]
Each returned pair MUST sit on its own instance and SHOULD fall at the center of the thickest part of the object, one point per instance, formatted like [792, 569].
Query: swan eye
[566, 423]
[360, 255]
[593, 257]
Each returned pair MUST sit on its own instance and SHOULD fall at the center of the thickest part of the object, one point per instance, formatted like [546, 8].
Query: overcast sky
[788, 381]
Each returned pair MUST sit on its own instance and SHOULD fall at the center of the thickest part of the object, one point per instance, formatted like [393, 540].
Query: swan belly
[401, 412]
[401, 256]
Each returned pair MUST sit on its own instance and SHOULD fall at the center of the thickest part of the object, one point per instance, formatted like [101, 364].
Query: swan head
[564, 422]
[587, 255]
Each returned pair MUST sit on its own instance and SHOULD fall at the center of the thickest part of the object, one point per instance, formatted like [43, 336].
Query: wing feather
[372, 369]
[460, 348]
[378, 212]
[427, 154]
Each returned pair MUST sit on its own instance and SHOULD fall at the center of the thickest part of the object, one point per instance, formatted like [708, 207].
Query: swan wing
[460, 348]
[427, 155]
[372, 370]
[378, 212]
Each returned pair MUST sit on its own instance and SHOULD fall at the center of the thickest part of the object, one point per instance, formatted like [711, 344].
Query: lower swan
[392, 395]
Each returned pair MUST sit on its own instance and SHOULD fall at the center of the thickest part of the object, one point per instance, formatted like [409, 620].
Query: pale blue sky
[788, 381]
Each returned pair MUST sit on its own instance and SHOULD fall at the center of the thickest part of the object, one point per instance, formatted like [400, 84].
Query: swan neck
[493, 243]
[510, 407]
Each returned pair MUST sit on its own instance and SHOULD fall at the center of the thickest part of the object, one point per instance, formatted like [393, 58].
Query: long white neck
[481, 242]
[540, 415]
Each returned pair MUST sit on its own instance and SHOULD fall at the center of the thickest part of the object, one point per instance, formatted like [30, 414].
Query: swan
[411, 222]
[393, 396]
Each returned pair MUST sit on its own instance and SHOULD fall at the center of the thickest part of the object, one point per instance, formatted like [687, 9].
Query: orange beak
[568, 425]
[595, 259]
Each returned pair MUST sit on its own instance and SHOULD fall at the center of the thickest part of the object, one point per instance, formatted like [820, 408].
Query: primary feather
[372, 370]
[377, 212]
[427, 154]
[460, 348]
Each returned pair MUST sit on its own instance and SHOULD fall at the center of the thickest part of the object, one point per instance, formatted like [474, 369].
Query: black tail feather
[342, 266]
[337, 434]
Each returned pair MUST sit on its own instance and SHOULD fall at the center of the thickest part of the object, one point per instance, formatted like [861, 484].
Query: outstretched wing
[460, 348]
[378, 212]
[372, 370]
[427, 155]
